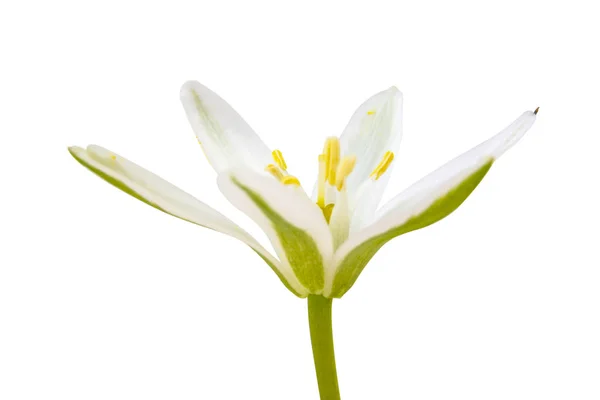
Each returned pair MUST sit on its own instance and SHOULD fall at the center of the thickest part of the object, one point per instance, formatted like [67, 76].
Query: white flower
[322, 242]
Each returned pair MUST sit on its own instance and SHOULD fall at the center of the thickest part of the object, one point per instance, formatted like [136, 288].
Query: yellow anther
[278, 157]
[321, 181]
[384, 164]
[344, 169]
[327, 211]
[113, 157]
[281, 176]
[371, 112]
[332, 158]
[290, 180]
[274, 170]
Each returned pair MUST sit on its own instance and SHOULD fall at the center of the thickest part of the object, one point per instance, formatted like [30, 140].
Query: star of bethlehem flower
[322, 240]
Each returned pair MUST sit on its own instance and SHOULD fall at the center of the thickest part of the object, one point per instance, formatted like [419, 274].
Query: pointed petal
[227, 140]
[162, 195]
[374, 129]
[294, 224]
[424, 203]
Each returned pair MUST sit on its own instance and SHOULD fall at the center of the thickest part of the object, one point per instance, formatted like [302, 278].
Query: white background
[102, 297]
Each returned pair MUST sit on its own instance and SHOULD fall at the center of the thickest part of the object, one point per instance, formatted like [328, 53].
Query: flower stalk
[321, 336]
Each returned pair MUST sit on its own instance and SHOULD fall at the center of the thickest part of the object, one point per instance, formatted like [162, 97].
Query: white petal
[366, 201]
[294, 224]
[227, 140]
[339, 222]
[339, 226]
[155, 191]
[375, 127]
[425, 202]
[421, 194]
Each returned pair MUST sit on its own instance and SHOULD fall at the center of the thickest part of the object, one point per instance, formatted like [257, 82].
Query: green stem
[321, 336]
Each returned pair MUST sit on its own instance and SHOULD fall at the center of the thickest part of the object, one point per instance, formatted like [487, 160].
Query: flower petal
[227, 140]
[425, 202]
[366, 201]
[162, 195]
[294, 224]
[339, 221]
[374, 129]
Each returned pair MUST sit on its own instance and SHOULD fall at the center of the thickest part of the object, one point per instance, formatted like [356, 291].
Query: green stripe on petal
[280, 276]
[300, 249]
[227, 140]
[154, 191]
[355, 261]
[110, 179]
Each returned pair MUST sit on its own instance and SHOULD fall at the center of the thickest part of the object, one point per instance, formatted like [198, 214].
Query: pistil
[332, 175]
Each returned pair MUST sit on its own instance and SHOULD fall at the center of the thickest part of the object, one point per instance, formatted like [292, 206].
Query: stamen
[327, 211]
[278, 157]
[113, 157]
[290, 180]
[274, 170]
[371, 112]
[280, 176]
[321, 181]
[387, 159]
[345, 168]
[332, 154]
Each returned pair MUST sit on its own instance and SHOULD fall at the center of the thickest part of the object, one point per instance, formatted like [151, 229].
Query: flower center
[333, 172]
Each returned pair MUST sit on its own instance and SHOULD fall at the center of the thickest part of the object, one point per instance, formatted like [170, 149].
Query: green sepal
[355, 261]
[280, 275]
[300, 249]
[123, 187]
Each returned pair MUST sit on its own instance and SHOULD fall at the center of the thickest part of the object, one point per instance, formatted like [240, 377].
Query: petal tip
[75, 151]
[94, 148]
[187, 87]
[394, 91]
